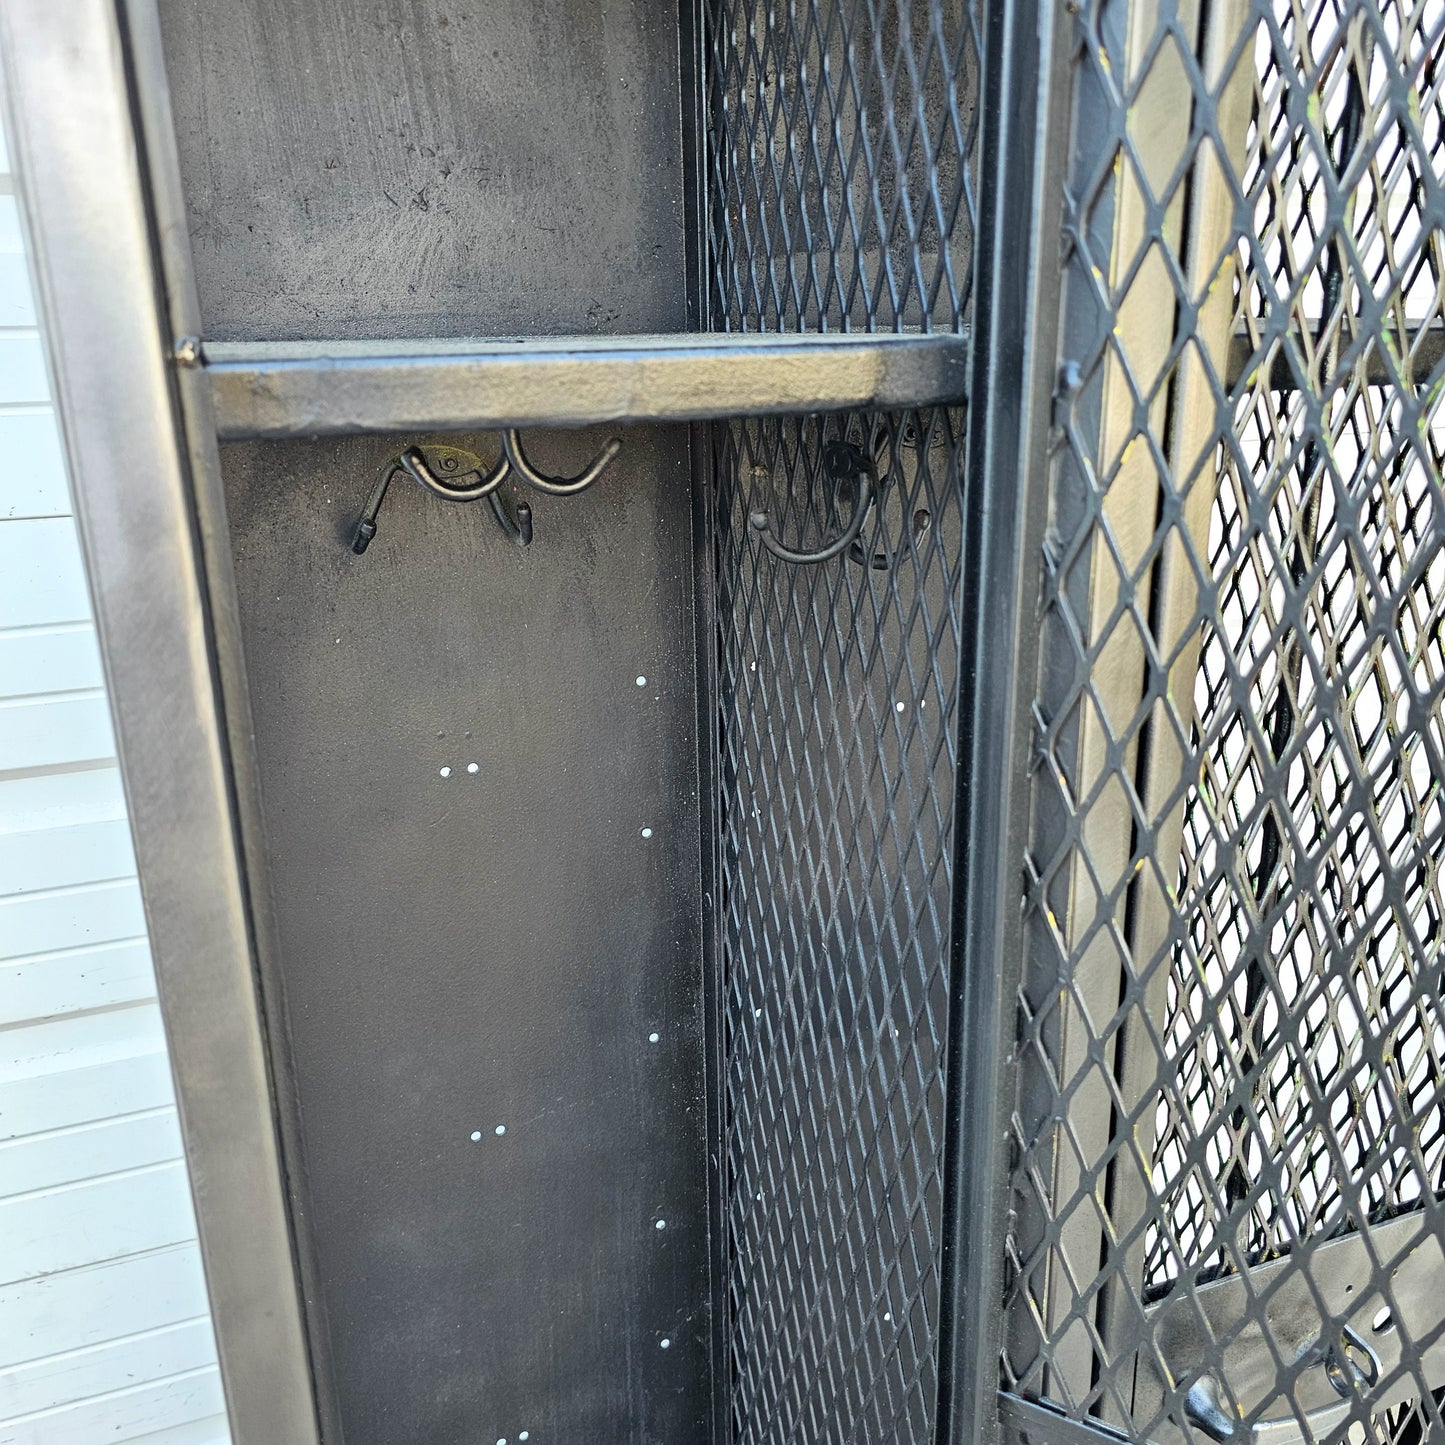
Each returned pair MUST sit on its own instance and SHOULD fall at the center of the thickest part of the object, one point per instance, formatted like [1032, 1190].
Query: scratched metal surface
[492, 948]
[435, 168]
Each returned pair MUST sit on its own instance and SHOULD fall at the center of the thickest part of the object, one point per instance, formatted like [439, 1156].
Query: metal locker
[779, 673]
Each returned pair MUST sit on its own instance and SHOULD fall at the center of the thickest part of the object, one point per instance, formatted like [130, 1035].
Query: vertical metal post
[110, 341]
[1022, 163]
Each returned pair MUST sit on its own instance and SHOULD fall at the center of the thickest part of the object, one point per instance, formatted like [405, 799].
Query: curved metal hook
[519, 531]
[417, 469]
[882, 561]
[555, 486]
[415, 465]
[842, 463]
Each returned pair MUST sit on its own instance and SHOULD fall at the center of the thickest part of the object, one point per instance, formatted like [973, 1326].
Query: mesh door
[838, 154]
[1230, 1132]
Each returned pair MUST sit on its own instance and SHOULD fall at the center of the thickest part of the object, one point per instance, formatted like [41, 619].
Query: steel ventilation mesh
[1229, 1139]
[837, 150]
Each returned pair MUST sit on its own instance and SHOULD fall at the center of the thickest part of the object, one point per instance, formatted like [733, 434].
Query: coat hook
[471, 480]
[885, 464]
[843, 463]
[556, 486]
[519, 531]
[414, 463]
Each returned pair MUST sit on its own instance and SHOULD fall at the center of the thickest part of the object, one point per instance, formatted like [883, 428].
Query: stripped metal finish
[1229, 1138]
[316, 388]
[1228, 1087]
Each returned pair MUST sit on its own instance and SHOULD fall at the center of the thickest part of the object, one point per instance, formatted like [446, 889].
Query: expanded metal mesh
[1229, 1144]
[838, 154]
[839, 140]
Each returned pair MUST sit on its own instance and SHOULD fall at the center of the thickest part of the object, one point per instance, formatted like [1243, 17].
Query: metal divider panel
[839, 153]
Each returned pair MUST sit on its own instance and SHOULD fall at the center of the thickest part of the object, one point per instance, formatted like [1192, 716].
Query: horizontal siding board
[60, 1046]
[55, 732]
[87, 978]
[35, 482]
[123, 1415]
[94, 914]
[56, 1229]
[59, 800]
[64, 857]
[107, 1146]
[23, 381]
[75, 1096]
[84, 1307]
[12, 234]
[42, 580]
[65, 659]
[213, 1430]
[17, 305]
[66, 1378]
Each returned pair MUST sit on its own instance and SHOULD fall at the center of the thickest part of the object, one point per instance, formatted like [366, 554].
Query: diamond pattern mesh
[1229, 1140]
[837, 154]
[838, 162]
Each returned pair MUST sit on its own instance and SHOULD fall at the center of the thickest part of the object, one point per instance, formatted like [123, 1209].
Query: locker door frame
[89, 121]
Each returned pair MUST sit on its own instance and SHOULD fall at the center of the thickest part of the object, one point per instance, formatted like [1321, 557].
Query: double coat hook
[464, 478]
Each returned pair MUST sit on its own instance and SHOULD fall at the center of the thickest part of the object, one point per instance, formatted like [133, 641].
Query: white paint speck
[500, 1130]
[446, 772]
[661, 1224]
[898, 707]
[665, 1343]
[642, 682]
[647, 832]
[653, 1038]
[476, 1135]
[757, 1013]
[473, 767]
[524, 1436]
[886, 1315]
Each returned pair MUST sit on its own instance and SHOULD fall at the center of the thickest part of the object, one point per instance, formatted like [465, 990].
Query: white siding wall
[105, 1333]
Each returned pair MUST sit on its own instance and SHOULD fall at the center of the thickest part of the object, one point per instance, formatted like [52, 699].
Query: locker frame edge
[109, 257]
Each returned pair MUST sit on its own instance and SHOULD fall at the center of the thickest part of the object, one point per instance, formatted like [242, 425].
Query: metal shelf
[313, 388]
